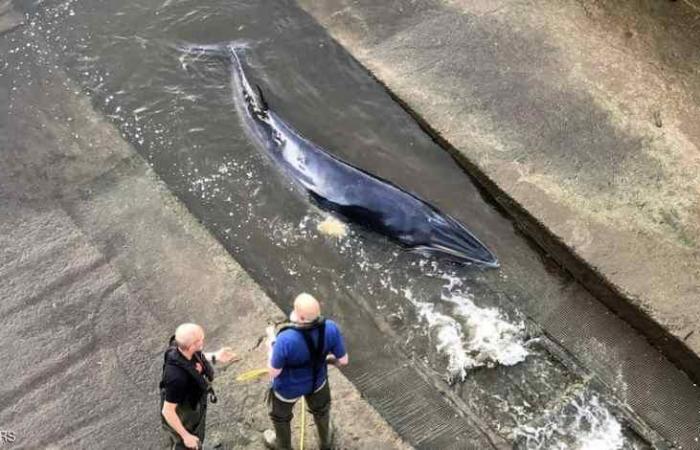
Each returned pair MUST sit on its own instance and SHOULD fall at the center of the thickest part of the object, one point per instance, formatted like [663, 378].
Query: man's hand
[337, 362]
[225, 354]
[190, 441]
[271, 337]
[170, 415]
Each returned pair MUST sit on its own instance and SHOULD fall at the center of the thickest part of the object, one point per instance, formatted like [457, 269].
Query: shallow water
[457, 328]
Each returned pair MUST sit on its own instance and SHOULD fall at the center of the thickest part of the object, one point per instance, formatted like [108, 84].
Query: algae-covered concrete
[98, 264]
[582, 118]
[10, 18]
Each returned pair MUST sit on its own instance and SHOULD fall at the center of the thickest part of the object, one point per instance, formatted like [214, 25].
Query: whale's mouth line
[438, 248]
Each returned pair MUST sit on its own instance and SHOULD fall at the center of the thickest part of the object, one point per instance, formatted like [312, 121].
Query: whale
[343, 189]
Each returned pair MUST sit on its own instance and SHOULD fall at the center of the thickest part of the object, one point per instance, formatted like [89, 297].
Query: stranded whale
[348, 191]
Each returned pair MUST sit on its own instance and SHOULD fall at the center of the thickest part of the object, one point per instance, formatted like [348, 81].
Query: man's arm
[338, 362]
[274, 373]
[275, 357]
[338, 356]
[223, 355]
[173, 420]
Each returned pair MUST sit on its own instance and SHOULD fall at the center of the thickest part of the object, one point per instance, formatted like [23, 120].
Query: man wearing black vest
[298, 367]
[186, 383]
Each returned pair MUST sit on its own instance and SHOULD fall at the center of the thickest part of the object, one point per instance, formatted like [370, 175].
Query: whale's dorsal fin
[263, 102]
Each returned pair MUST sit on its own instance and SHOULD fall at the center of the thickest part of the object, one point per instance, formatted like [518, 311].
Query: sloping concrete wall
[98, 265]
[580, 118]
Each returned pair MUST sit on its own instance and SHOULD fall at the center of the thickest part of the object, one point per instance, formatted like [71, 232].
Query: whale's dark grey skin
[348, 191]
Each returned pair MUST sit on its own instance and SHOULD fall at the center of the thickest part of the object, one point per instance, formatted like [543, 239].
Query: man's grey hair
[307, 305]
[187, 334]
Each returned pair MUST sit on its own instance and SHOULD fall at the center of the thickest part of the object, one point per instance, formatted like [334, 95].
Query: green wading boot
[325, 430]
[284, 442]
[270, 439]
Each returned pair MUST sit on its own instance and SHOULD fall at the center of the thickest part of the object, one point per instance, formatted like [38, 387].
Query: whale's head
[449, 239]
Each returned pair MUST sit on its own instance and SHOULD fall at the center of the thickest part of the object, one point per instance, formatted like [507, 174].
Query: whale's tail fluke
[234, 51]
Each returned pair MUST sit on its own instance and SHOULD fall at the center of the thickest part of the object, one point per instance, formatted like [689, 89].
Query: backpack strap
[284, 326]
[204, 380]
[171, 344]
[207, 374]
[315, 351]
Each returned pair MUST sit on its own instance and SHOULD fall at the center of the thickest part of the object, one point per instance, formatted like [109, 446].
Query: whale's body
[350, 192]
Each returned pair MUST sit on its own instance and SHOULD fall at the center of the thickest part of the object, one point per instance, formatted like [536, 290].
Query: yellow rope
[303, 425]
[251, 375]
[692, 5]
[257, 373]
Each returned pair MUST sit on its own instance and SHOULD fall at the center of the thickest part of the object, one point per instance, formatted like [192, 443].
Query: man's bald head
[188, 335]
[306, 308]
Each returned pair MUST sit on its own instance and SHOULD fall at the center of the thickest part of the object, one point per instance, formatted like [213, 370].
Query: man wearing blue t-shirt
[298, 367]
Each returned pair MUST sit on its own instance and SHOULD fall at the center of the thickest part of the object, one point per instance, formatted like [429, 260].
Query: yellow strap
[251, 375]
[257, 373]
[303, 425]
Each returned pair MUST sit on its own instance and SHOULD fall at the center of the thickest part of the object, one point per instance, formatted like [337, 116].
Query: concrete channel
[585, 377]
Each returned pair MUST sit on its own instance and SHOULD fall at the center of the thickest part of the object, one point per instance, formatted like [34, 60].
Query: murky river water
[452, 356]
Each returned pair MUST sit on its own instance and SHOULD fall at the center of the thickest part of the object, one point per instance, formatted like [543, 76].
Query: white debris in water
[592, 427]
[286, 234]
[331, 226]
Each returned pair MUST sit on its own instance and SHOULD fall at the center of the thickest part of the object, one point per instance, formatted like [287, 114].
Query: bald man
[298, 367]
[187, 377]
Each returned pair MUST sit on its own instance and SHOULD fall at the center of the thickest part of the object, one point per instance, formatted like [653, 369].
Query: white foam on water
[453, 281]
[592, 427]
[471, 336]
[448, 334]
[491, 338]
[605, 431]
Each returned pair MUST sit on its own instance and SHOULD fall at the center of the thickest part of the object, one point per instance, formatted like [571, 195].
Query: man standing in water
[187, 377]
[298, 367]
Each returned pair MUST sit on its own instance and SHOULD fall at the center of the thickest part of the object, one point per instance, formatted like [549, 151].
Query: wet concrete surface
[99, 263]
[586, 372]
[10, 16]
[579, 117]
